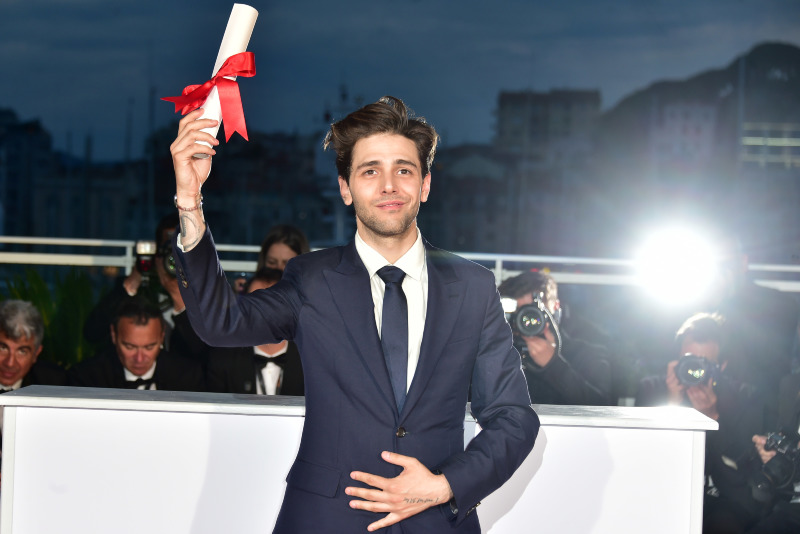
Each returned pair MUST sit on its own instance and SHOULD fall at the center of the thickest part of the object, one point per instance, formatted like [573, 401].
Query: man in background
[579, 373]
[269, 369]
[137, 359]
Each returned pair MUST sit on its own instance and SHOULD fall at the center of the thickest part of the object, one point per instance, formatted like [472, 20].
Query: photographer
[698, 379]
[161, 289]
[785, 514]
[579, 373]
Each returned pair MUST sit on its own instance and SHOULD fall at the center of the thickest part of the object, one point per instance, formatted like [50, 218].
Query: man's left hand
[413, 491]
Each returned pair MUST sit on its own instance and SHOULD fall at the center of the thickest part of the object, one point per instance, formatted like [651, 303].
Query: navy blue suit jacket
[324, 303]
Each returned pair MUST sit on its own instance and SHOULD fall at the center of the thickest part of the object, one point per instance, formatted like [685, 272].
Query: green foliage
[64, 309]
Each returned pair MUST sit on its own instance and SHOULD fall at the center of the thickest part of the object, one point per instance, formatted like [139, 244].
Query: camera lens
[530, 320]
[693, 370]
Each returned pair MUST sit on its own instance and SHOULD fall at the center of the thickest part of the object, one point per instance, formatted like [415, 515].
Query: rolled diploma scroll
[236, 38]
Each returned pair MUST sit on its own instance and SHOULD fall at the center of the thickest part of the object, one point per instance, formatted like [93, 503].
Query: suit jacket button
[401, 432]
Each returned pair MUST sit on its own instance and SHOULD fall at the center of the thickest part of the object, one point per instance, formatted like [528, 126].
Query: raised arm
[191, 173]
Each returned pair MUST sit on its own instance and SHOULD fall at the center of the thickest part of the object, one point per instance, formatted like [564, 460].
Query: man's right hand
[191, 173]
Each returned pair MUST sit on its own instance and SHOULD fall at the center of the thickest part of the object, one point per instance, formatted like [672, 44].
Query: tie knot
[391, 274]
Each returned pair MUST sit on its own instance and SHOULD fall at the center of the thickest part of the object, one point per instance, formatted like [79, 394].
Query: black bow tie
[134, 384]
[5, 390]
[262, 361]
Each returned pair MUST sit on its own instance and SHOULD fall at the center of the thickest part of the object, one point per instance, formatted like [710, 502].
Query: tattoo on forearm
[417, 500]
[189, 229]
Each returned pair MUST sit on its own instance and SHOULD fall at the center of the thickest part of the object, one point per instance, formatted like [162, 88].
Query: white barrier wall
[89, 460]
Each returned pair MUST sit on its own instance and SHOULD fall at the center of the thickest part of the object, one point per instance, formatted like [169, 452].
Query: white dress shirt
[271, 374]
[415, 287]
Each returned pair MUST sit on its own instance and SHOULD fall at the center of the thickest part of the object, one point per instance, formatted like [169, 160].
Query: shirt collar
[412, 262]
[147, 376]
[15, 386]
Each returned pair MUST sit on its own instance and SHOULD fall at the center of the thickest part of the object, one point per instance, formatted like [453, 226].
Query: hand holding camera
[535, 331]
[780, 454]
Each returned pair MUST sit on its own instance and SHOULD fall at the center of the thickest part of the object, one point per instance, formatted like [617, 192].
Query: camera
[167, 257]
[693, 370]
[530, 320]
[778, 475]
[145, 254]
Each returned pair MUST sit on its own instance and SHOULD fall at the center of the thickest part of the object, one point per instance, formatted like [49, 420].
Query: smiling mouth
[394, 204]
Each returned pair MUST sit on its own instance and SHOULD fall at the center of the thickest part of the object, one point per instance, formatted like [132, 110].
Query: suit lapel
[445, 296]
[349, 285]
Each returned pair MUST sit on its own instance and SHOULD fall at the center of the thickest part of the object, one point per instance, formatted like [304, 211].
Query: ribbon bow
[194, 96]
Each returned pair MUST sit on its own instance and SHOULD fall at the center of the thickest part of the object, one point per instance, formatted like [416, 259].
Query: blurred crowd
[732, 361]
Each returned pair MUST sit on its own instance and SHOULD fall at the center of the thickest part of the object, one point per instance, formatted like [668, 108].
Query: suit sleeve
[501, 405]
[219, 316]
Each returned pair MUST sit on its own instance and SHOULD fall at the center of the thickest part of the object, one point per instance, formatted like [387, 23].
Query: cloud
[75, 64]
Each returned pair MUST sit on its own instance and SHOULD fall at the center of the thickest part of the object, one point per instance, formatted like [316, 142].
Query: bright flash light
[677, 265]
[509, 305]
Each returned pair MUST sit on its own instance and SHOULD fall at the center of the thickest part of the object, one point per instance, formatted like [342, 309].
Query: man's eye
[370, 172]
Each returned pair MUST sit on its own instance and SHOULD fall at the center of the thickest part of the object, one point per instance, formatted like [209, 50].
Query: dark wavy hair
[291, 236]
[389, 115]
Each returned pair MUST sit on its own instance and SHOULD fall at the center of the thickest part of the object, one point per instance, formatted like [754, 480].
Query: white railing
[565, 269]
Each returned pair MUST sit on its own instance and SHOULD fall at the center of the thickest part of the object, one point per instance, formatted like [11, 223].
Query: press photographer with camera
[559, 369]
[698, 379]
[779, 478]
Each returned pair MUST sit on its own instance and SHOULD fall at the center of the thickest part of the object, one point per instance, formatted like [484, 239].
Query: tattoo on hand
[415, 500]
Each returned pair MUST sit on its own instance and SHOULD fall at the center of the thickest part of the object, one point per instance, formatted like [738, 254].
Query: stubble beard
[385, 227]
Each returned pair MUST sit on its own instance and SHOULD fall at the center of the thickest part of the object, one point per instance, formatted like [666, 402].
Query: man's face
[708, 350]
[386, 186]
[137, 345]
[16, 358]
[278, 255]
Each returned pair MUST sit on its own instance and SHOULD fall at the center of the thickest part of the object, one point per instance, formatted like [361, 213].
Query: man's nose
[388, 183]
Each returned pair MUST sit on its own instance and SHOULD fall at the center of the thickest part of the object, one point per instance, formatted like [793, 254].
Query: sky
[78, 66]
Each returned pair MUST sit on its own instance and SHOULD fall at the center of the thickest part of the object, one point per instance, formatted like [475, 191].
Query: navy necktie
[394, 331]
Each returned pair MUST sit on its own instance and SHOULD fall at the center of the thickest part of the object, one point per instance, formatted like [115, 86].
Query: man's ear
[113, 333]
[36, 355]
[426, 188]
[344, 190]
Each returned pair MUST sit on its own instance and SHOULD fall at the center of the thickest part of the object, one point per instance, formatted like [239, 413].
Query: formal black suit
[173, 373]
[45, 373]
[232, 370]
[324, 303]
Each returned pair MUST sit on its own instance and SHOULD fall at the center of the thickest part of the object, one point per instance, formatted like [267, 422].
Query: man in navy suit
[382, 445]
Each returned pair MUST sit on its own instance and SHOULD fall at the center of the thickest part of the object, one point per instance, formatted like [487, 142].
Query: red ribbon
[194, 96]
